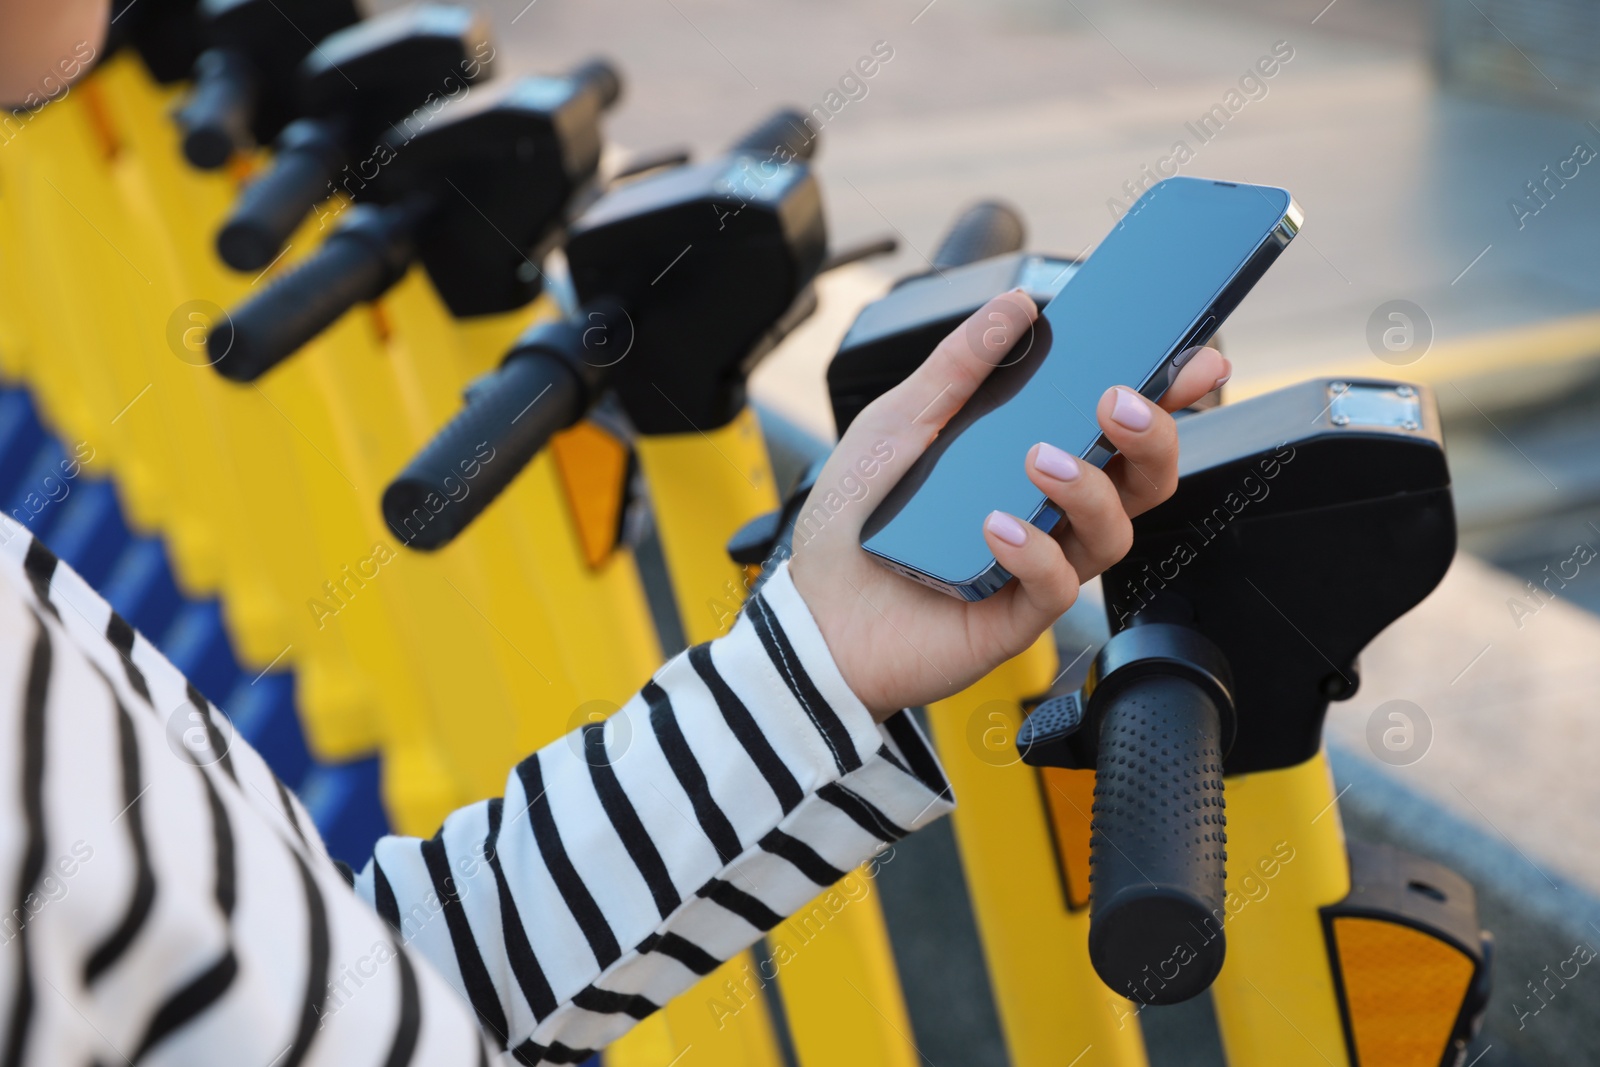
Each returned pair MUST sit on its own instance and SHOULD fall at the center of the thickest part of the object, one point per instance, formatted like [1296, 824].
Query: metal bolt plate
[1393, 407]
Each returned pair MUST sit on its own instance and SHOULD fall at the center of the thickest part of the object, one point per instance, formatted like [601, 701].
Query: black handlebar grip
[1158, 846]
[601, 76]
[216, 117]
[987, 228]
[509, 417]
[784, 130]
[309, 155]
[356, 264]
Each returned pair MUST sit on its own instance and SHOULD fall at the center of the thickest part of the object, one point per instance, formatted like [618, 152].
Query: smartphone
[1171, 270]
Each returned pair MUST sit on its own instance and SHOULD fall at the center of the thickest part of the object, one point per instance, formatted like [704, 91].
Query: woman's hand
[900, 644]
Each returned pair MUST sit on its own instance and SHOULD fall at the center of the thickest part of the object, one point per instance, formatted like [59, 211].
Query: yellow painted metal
[838, 979]
[1052, 1005]
[1403, 990]
[562, 633]
[723, 1020]
[67, 172]
[1275, 997]
[281, 480]
[271, 501]
[273, 487]
[703, 487]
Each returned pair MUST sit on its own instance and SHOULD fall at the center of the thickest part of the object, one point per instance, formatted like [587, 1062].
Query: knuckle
[1120, 541]
[1066, 590]
[1166, 482]
[1111, 548]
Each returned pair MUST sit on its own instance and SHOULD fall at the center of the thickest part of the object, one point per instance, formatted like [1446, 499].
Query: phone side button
[1186, 352]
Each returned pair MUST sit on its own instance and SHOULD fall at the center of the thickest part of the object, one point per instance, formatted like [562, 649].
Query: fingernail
[1006, 528]
[1222, 380]
[1056, 463]
[1020, 291]
[1130, 410]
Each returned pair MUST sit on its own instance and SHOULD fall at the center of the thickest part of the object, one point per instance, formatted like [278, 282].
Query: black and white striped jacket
[170, 903]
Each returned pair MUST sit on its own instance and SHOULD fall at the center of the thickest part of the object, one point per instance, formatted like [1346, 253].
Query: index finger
[897, 427]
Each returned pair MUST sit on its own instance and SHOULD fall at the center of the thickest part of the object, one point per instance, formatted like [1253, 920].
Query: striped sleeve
[630, 858]
[164, 899]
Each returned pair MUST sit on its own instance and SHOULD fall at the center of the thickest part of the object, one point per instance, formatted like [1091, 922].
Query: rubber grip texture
[1158, 844]
[783, 130]
[272, 206]
[508, 418]
[987, 228]
[266, 330]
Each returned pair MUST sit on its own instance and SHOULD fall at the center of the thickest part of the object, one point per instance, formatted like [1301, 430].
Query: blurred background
[1443, 153]
[1409, 131]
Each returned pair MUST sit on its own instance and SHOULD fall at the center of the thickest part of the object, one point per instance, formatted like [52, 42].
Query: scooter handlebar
[1158, 845]
[309, 155]
[602, 77]
[216, 117]
[784, 130]
[545, 384]
[987, 228]
[356, 264]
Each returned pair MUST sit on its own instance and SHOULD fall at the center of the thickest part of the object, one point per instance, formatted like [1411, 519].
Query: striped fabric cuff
[904, 773]
[630, 858]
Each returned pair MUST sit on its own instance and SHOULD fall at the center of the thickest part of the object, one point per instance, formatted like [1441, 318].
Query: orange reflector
[380, 321]
[593, 465]
[100, 120]
[242, 167]
[1069, 797]
[1403, 991]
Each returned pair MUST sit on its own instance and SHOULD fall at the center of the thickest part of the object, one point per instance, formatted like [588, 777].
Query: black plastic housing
[1304, 523]
[375, 72]
[165, 33]
[706, 258]
[499, 167]
[247, 92]
[479, 184]
[558, 369]
[352, 88]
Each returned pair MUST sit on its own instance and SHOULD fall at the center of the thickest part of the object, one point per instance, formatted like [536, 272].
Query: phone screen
[1147, 292]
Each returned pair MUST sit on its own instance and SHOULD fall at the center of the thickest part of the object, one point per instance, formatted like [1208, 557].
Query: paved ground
[1055, 106]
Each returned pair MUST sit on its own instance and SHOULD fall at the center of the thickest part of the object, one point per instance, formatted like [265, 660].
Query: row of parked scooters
[412, 424]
